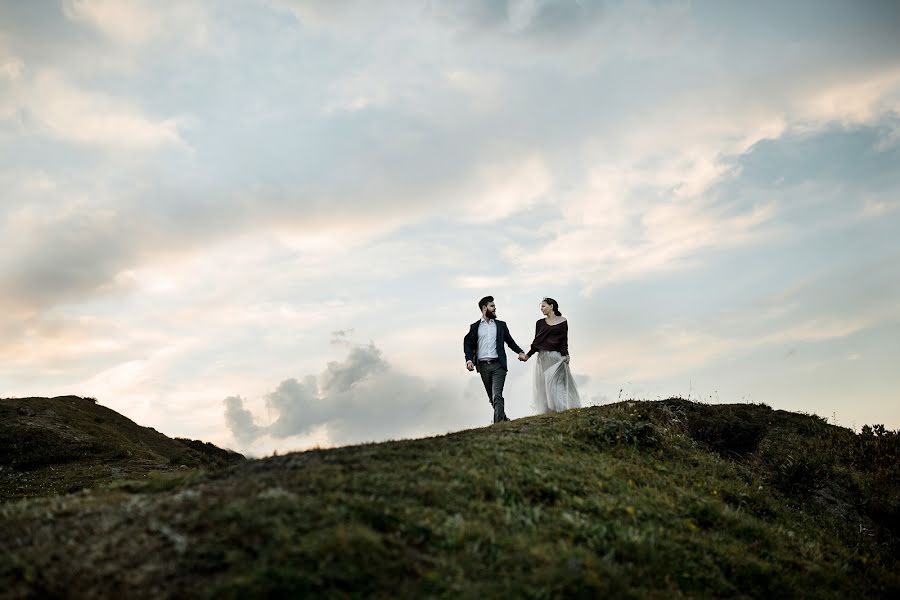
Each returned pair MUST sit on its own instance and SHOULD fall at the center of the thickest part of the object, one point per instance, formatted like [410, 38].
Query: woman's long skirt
[554, 386]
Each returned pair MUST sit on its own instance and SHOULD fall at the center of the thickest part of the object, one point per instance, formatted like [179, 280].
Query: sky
[267, 223]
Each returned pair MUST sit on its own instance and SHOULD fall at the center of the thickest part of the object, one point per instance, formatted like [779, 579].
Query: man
[483, 347]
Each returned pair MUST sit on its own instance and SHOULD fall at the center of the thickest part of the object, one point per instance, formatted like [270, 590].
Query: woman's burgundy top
[550, 337]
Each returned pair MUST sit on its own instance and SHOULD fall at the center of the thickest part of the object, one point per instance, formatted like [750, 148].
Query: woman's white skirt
[554, 386]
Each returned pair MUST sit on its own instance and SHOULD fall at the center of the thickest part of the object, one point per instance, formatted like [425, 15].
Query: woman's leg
[541, 405]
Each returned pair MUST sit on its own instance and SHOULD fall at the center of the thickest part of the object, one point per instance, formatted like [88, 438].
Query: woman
[554, 386]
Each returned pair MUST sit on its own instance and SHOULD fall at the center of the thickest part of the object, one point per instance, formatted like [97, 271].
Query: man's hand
[566, 359]
[469, 365]
[523, 357]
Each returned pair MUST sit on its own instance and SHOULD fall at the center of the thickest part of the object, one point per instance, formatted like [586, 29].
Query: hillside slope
[637, 499]
[63, 444]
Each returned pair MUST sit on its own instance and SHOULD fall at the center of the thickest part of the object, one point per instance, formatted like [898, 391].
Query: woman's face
[546, 308]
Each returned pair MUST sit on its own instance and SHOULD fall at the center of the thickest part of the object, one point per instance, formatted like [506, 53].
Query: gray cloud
[298, 405]
[240, 420]
[359, 399]
[363, 362]
[64, 260]
[551, 19]
[558, 19]
[341, 337]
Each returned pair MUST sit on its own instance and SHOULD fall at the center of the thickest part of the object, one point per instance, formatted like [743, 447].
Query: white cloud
[68, 113]
[503, 188]
[484, 92]
[634, 242]
[357, 92]
[859, 101]
[137, 22]
[877, 208]
[130, 21]
[482, 282]
[333, 15]
[35, 343]
[11, 67]
[60, 110]
[612, 231]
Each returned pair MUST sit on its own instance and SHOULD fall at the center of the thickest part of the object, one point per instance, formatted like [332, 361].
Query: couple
[554, 387]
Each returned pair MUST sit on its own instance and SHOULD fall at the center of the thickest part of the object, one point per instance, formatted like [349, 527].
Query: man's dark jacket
[470, 343]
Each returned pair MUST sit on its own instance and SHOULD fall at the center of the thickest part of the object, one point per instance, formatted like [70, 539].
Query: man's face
[490, 311]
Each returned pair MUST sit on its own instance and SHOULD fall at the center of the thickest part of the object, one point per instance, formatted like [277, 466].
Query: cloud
[803, 314]
[557, 20]
[132, 22]
[240, 420]
[398, 149]
[684, 348]
[71, 114]
[61, 255]
[44, 103]
[484, 91]
[632, 241]
[876, 208]
[11, 67]
[325, 14]
[856, 101]
[341, 337]
[889, 140]
[359, 399]
[505, 188]
[358, 92]
[32, 342]
[136, 24]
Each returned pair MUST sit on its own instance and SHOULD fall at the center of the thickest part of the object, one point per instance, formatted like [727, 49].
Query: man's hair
[484, 302]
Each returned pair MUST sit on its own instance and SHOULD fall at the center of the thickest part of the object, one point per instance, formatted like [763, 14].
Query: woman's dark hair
[484, 302]
[555, 306]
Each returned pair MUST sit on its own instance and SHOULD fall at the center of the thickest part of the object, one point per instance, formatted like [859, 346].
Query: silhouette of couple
[554, 386]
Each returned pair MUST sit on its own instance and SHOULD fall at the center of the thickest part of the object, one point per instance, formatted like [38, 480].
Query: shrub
[612, 432]
[732, 432]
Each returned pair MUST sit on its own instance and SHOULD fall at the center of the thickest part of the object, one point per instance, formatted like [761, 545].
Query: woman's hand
[566, 359]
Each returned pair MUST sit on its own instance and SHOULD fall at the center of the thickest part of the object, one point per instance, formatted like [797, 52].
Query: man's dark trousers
[493, 375]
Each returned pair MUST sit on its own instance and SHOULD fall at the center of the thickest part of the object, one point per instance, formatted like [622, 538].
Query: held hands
[522, 356]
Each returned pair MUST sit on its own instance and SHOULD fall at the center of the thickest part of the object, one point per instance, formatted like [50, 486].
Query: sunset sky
[267, 223]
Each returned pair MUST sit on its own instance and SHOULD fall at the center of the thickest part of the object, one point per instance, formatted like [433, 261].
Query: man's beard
[490, 315]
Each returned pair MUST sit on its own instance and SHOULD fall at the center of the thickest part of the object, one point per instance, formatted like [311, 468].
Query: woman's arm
[537, 330]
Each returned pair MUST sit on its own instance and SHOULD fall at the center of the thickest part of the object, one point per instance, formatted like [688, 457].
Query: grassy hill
[631, 500]
[63, 444]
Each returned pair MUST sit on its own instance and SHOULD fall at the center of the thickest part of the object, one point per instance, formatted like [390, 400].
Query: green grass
[65, 444]
[637, 499]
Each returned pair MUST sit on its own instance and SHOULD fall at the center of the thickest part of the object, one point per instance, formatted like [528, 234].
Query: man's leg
[486, 373]
[498, 379]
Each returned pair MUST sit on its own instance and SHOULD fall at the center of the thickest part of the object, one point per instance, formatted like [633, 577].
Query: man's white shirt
[487, 339]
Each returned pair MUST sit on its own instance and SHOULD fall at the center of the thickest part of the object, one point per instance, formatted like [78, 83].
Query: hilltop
[633, 500]
[63, 444]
